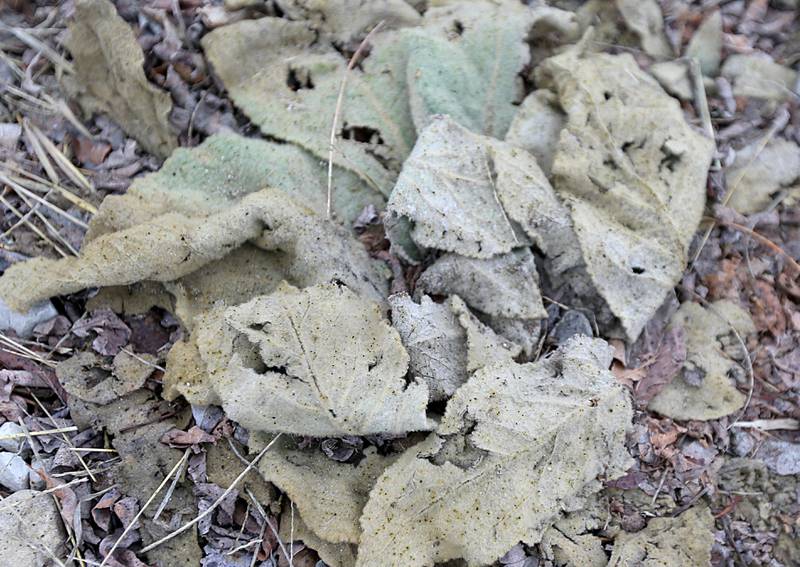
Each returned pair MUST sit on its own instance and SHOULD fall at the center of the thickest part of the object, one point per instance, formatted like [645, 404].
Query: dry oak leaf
[518, 445]
[320, 361]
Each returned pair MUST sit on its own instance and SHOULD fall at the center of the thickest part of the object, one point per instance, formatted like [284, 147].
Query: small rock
[30, 530]
[13, 472]
[23, 323]
[781, 457]
[742, 443]
[11, 445]
[571, 323]
[37, 482]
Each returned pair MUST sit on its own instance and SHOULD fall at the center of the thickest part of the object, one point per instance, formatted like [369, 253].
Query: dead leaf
[685, 540]
[760, 171]
[632, 172]
[180, 439]
[112, 334]
[644, 17]
[277, 367]
[530, 435]
[666, 364]
[87, 376]
[703, 390]
[435, 341]
[110, 76]
[757, 75]
[767, 310]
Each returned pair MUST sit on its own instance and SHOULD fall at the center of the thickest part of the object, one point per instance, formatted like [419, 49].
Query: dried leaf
[644, 17]
[112, 333]
[87, 377]
[632, 172]
[484, 346]
[504, 286]
[536, 127]
[347, 21]
[466, 62]
[685, 540]
[435, 341]
[181, 439]
[703, 389]
[532, 436]
[174, 245]
[760, 171]
[109, 69]
[757, 75]
[277, 367]
[329, 495]
[667, 363]
[294, 97]
[449, 191]
[333, 554]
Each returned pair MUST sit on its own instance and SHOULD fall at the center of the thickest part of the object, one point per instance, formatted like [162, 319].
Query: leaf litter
[506, 218]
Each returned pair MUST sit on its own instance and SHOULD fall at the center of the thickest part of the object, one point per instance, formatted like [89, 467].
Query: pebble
[23, 323]
[11, 445]
[13, 472]
[31, 532]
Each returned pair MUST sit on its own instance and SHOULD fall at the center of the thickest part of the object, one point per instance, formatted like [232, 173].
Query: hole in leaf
[363, 134]
[299, 79]
[637, 270]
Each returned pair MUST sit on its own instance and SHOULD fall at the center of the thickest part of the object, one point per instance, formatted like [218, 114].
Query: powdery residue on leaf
[319, 361]
[435, 341]
[516, 444]
[110, 76]
[685, 540]
[632, 172]
[703, 389]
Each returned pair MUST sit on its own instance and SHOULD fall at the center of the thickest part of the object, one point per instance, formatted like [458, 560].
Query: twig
[217, 502]
[337, 112]
[39, 433]
[171, 489]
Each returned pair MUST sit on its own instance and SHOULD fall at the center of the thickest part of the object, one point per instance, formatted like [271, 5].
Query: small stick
[216, 503]
[339, 100]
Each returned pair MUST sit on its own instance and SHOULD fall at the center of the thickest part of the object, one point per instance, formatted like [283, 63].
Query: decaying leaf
[760, 171]
[435, 341]
[484, 346]
[703, 390]
[293, 97]
[275, 365]
[674, 77]
[536, 127]
[173, 245]
[706, 44]
[226, 167]
[109, 71]
[644, 17]
[454, 187]
[294, 528]
[330, 495]
[685, 540]
[757, 75]
[466, 63]
[504, 286]
[632, 172]
[349, 20]
[86, 377]
[519, 444]
[570, 541]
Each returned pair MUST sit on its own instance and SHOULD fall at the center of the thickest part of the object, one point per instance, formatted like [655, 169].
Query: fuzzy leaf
[110, 76]
[435, 342]
[319, 361]
[685, 540]
[330, 495]
[519, 443]
[632, 172]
